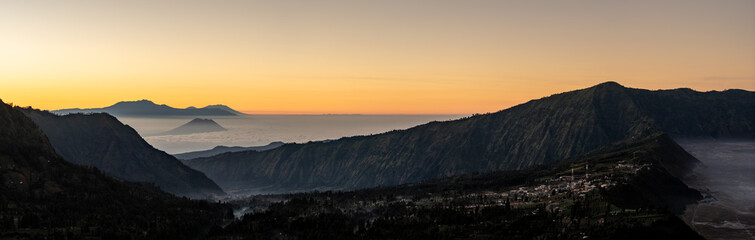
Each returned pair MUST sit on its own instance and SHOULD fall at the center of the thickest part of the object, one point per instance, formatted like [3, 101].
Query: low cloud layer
[263, 129]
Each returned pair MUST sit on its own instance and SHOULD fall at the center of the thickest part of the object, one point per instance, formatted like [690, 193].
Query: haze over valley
[258, 130]
[726, 177]
[339, 119]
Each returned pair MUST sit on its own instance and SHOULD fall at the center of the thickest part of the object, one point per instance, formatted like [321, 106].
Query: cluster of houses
[551, 191]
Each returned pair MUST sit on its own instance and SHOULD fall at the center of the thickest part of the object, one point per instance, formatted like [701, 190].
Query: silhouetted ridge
[143, 102]
[540, 131]
[223, 149]
[224, 108]
[146, 108]
[100, 140]
[42, 196]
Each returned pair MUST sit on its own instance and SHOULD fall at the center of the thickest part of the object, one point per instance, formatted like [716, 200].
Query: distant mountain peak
[146, 107]
[224, 108]
[202, 121]
[143, 101]
[197, 125]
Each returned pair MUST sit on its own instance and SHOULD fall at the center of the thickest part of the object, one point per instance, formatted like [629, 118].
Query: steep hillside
[42, 196]
[540, 131]
[688, 113]
[146, 108]
[100, 140]
[544, 202]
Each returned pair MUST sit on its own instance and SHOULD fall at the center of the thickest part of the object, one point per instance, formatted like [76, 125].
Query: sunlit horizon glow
[364, 57]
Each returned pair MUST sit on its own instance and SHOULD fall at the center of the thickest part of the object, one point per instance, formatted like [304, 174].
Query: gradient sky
[369, 57]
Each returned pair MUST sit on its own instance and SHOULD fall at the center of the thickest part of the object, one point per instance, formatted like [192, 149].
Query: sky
[364, 57]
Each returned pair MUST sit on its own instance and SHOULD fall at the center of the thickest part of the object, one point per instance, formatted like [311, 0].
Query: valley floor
[726, 178]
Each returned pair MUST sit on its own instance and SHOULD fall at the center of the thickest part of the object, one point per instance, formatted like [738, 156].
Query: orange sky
[368, 57]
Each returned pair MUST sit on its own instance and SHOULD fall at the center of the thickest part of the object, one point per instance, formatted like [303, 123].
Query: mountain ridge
[539, 131]
[43, 196]
[224, 108]
[224, 149]
[101, 141]
[147, 108]
[624, 180]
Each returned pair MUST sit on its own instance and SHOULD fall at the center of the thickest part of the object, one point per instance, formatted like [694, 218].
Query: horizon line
[354, 114]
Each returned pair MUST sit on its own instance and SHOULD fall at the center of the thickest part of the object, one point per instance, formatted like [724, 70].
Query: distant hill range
[540, 131]
[197, 125]
[100, 140]
[146, 108]
[44, 196]
[223, 149]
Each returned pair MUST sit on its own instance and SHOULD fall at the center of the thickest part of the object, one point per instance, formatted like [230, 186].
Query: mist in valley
[725, 177]
[258, 130]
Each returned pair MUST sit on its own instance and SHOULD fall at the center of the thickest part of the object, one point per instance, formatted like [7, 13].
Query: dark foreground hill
[42, 196]
[146, 108]
[630, 192]
[540, 131]
[197, 125]
[100, 140]
[223, 149]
